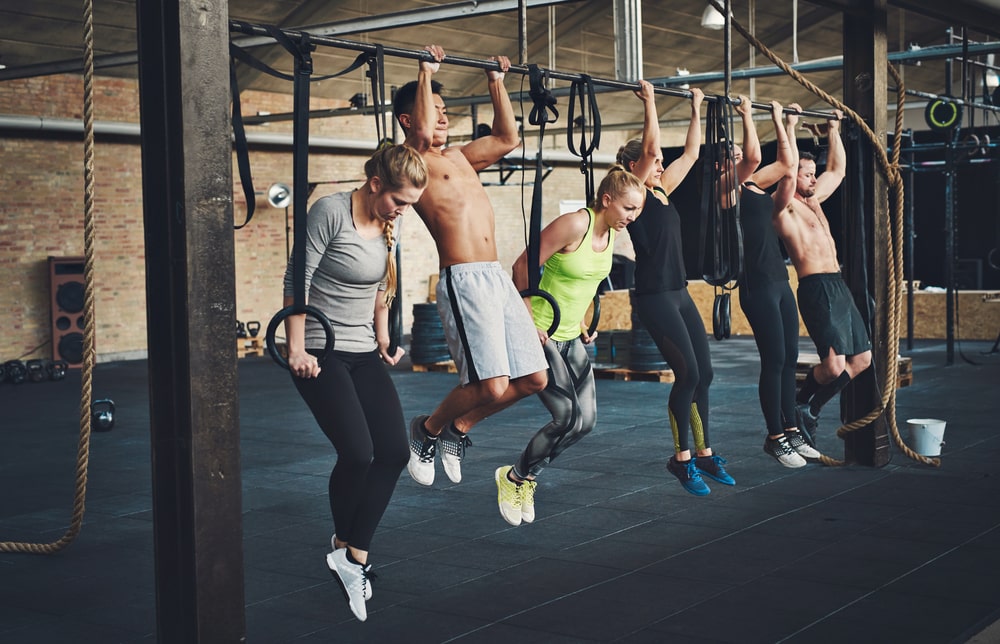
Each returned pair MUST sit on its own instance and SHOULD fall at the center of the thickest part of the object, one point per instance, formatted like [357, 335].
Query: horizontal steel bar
[422, 55]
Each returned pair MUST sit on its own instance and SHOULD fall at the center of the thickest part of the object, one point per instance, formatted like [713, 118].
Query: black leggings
[356, 405]
[770, 309]
[675, 325]
[570, 397]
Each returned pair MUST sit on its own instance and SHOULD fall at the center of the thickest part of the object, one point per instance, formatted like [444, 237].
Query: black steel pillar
[865, 83]
[190, 298]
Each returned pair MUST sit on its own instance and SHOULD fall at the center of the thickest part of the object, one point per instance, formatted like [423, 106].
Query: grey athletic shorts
[486, 323]
[832, 319]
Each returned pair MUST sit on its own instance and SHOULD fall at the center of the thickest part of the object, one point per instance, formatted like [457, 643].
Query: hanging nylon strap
[859, 263]
[376, 72]
[588, 103]
[543, 111]
[721, 236]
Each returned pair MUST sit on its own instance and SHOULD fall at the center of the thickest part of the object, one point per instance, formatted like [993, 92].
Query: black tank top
[761, 253]
[659, 257]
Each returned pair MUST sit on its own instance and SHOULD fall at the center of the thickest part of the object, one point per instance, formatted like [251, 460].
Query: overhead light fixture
[712, 18]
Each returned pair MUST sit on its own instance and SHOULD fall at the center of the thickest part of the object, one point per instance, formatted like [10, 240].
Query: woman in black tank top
[766, 298]
[661, 298]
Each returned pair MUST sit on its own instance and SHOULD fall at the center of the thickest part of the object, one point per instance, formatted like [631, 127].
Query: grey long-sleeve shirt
[343, 275]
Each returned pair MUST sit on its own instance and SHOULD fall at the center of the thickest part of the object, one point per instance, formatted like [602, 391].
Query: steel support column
[865, 76]
[187, 188]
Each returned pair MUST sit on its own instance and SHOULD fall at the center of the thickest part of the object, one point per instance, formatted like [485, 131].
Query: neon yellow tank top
[572, 279]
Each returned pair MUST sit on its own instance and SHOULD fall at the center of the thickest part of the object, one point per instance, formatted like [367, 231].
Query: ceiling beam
[432, 14]
[983, 17]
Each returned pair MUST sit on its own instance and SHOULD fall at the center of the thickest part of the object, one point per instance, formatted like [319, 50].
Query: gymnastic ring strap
[376, 72]
[545, 295]
[596, 317]
[288, 311]
[396, 309]
[584, 84]
[542, 112]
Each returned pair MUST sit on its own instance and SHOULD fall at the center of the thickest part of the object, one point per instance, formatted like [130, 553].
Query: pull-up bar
[949, 99]
[425, 56]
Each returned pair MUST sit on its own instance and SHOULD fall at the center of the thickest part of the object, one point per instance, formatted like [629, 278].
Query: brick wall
[41, 213]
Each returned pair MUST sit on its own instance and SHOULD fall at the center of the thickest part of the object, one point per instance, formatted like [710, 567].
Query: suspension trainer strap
[721, 236]
[242, 149]
[859, 265]
[376, 72]
[586, 149]
[543, 111]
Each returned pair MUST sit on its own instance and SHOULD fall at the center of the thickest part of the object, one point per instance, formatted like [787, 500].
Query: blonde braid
[389, 232]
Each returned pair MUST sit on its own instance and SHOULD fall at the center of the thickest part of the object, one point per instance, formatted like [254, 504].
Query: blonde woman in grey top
[350, 278]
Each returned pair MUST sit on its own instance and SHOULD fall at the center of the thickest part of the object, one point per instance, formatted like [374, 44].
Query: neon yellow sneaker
[508, 496]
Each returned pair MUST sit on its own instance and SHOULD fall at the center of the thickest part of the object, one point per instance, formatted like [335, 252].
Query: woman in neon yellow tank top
[576, 250]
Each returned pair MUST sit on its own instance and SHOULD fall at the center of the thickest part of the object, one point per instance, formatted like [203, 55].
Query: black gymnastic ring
[272, 348]
[537, 292]
[596, 317]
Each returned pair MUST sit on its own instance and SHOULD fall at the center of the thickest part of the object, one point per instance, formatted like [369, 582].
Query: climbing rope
[83, 449]
[894, 277]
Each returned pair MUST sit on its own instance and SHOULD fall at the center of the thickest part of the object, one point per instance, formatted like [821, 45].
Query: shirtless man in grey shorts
[490, 334]
[827, 307]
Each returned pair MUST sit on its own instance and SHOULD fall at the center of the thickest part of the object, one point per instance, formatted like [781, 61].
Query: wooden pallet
[904, 379]
[629, 375]
[442, 367]
[249, 347]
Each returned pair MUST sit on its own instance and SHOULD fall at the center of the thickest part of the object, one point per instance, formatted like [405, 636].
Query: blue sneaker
[711, 466]
[688, 475]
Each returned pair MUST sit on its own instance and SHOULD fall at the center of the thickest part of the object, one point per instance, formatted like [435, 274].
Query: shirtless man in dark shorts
[827, 307]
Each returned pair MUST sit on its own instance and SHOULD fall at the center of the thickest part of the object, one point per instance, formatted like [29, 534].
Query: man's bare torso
[805, 231]
[456, 209]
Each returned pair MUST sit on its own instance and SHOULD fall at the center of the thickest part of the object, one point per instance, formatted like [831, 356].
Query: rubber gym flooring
[619, 552]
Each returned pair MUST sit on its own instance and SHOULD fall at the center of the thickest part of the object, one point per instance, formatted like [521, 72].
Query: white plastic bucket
[926, 435]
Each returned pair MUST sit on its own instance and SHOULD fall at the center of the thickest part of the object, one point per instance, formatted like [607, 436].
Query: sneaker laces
[427, 450]
[528, 492]
[783, 446]
[366, 574]
[457, 447]
[511, 492]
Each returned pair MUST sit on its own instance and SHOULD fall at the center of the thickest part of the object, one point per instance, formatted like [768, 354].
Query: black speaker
[67, 295]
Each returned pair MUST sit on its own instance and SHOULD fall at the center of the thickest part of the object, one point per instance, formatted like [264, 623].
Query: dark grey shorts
[828, 310]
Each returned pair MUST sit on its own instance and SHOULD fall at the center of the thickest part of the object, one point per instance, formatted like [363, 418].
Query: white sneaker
[422, 450]
[508, 496]
[452, 445]
[528, 501]
[368, 586]
[783, 452]
[799, 444]
[353, 580]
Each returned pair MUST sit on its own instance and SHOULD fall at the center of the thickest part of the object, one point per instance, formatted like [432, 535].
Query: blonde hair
[616, 183]
[396, 166]
[631, 152]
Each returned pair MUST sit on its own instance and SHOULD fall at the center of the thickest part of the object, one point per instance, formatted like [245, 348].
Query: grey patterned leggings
[571, 398]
